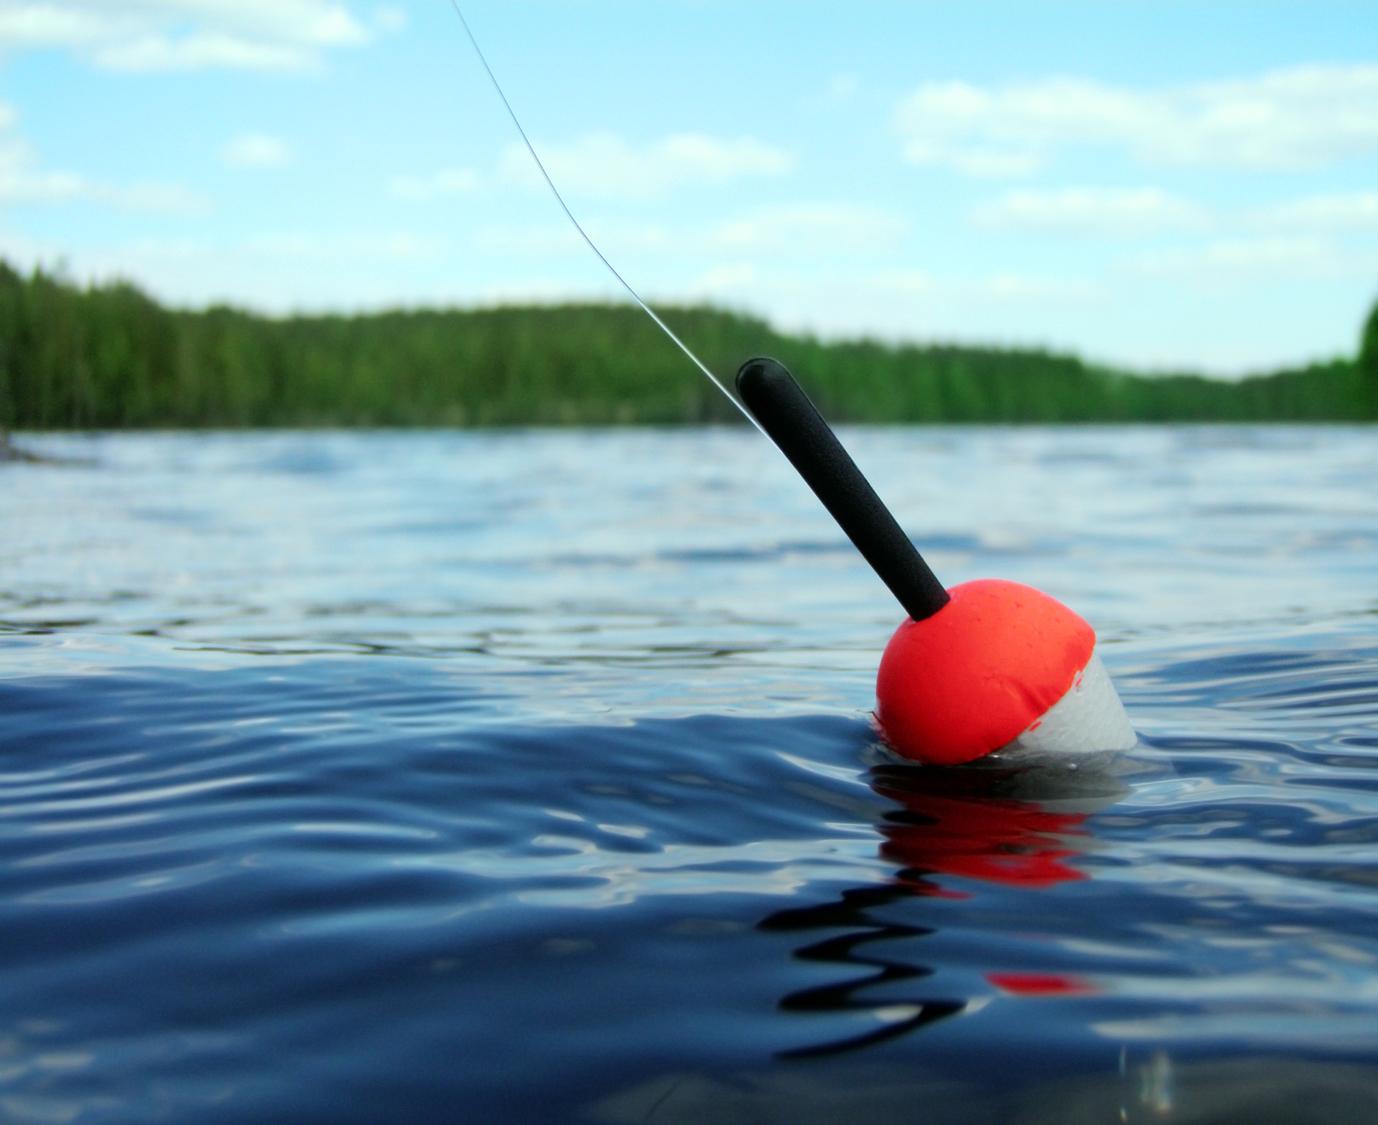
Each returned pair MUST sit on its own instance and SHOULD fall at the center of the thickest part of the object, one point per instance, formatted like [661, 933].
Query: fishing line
[560, 199]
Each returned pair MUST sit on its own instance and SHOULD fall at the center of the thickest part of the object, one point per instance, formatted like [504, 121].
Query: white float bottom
[1090, 717]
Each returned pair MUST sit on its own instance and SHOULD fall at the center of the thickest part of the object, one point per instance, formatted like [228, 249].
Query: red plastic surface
[979, 672]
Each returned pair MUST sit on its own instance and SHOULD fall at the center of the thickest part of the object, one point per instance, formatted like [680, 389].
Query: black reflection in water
[855, 949]
[990, 823]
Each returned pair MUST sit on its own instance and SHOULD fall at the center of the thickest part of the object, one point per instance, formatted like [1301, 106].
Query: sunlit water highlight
[530, 775]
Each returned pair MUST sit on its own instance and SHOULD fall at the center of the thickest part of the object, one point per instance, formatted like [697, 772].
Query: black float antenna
[790, 419]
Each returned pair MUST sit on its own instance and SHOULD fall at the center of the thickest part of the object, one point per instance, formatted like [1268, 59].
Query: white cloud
[906, 281]
[993, 164]
[549, 239]
[842, 87]
[199, 52]
[1298, 118]
[18, 187]
[390, 17]
[605, 164]
[255, 150]
[1249, 259]
[840, 302]
[380, 245]
[727, 278]
[866, 285]
[814, 229]
[1034, 287]
[51, 24]
[21, 184]
[184, 34]
[808, 230]
[899, 303]
[1344, 211]
[23, 180]
[433, 185]
[1129, 211]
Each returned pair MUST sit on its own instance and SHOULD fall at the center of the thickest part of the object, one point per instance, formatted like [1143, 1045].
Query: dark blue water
[436, 777]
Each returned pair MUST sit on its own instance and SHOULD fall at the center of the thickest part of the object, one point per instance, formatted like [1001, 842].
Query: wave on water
[358, 797]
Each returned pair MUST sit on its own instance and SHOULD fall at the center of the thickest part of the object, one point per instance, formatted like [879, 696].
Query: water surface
[480, 776]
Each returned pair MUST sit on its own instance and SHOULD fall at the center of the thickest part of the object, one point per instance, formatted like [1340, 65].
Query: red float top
[979, 672]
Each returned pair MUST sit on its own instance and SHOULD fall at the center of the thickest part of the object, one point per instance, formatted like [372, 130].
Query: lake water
[530, 776]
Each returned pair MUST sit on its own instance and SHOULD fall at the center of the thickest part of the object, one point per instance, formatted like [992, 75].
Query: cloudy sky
[1154, 183]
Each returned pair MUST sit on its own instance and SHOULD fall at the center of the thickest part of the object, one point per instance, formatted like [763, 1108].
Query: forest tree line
[109, 356]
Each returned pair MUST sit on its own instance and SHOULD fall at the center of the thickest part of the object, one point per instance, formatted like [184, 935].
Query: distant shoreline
[109, 357]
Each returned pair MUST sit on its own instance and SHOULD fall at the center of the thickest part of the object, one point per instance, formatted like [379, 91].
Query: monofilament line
[560, 199]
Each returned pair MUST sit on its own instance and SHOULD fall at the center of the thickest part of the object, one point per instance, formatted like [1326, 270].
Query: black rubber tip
[785, 412]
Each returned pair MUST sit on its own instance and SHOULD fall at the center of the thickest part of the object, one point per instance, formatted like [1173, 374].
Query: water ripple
[357, 776]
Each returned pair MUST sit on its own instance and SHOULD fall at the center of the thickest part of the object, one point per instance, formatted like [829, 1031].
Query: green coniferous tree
[109, 356]
[1368, 365]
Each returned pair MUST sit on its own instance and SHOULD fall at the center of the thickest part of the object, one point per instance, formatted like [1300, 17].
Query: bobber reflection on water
[985, 666]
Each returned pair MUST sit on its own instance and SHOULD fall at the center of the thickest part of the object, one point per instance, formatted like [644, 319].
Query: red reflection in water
[994, 840]
[1041, 984]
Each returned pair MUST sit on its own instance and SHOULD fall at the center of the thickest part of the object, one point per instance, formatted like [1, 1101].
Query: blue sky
[1157, 184]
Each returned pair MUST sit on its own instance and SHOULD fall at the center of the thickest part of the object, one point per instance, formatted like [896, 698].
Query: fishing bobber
[1000, 665]
[988, 665]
